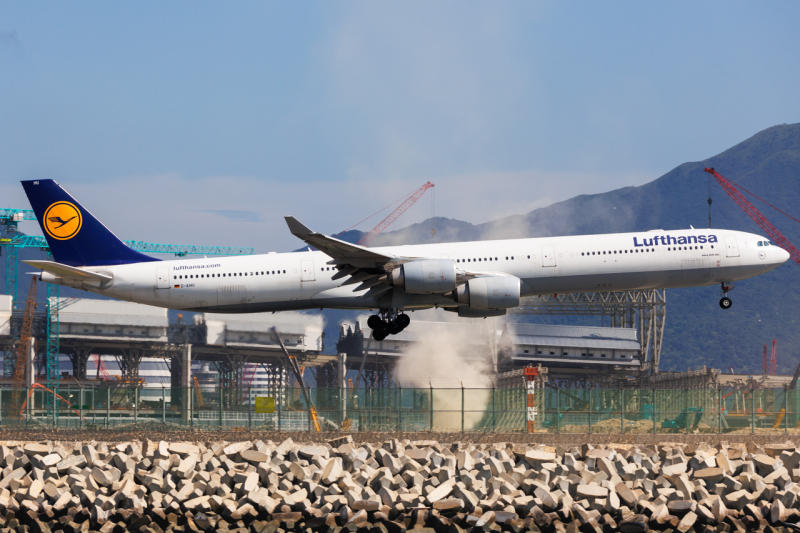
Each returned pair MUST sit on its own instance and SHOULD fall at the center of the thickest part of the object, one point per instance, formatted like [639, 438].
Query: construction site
[78, 363]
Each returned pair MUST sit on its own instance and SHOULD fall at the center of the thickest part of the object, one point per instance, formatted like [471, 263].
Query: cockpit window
[760, 243]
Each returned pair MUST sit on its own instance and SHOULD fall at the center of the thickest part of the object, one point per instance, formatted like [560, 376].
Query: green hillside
[698, 332]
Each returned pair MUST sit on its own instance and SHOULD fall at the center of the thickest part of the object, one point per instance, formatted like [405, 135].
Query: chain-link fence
[411, 409]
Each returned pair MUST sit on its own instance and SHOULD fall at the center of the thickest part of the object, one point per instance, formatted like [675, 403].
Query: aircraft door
[162, 277]
[548, 256]
[732, 246]
[308, 270]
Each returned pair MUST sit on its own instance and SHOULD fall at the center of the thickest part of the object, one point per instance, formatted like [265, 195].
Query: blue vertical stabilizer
[75, 236]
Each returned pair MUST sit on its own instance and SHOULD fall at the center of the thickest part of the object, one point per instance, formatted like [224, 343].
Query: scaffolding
[644, 310]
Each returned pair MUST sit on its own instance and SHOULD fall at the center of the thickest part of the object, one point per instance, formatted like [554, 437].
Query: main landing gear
[726, 302]
[387, 322]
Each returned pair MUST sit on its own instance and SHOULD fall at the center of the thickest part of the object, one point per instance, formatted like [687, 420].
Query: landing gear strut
[726, 302]
[387, 322]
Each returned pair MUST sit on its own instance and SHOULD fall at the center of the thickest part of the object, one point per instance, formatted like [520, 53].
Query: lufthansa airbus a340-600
[473, 279]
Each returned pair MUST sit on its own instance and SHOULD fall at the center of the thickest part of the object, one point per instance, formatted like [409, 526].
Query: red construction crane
[733, 191]
[102, 371]
[386, 222]
[773, 361]
[769, 362]
[247, 379]
[22, 347]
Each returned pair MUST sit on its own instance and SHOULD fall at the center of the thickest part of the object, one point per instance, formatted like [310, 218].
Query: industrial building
[571, 346]
[137, 346]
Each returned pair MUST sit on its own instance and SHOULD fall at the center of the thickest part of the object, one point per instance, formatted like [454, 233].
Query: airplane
[472, 279]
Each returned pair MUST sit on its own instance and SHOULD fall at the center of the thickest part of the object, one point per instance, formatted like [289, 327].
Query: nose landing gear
[726, 302]
[387, 322]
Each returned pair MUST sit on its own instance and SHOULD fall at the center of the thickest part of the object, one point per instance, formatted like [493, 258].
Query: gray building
[570, 346]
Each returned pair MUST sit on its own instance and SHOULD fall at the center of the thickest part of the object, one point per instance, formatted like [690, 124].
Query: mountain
[697, 332]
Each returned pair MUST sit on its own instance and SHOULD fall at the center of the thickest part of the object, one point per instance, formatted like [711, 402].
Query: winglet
[296, 227]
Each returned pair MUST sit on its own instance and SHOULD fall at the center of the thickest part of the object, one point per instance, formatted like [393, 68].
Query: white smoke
[446, 359]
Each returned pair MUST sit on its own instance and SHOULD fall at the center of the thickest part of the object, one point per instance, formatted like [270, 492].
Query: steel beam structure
[645, 310]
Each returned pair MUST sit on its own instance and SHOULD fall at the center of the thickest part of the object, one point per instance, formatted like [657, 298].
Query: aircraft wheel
[403, 321]
[725, 303]
[381, 332]
[374, 322]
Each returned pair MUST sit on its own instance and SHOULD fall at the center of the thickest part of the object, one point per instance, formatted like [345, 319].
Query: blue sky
[205, 123]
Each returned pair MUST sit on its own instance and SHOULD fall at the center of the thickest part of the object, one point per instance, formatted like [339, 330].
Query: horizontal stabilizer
[66, 271]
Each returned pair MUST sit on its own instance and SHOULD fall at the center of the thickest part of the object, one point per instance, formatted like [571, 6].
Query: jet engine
[491, 292]
[429, 276]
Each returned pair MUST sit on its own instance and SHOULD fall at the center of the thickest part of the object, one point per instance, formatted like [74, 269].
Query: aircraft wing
[358, 264]
[343, 253]
[66, 271]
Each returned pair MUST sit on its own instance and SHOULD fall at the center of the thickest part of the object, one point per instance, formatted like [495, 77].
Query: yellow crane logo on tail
[62, 221]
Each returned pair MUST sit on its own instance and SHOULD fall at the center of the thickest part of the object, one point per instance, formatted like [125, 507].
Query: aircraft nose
[783, 255]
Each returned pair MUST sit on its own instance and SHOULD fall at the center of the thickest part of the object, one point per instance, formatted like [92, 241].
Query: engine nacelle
[493, 292]
[431, 276]
[467, 312]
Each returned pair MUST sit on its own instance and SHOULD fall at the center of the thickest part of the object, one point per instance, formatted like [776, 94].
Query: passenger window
[529, 257]
[284, 272]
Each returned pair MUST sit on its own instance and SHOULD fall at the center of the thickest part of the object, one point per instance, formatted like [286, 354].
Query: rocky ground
[397, 485]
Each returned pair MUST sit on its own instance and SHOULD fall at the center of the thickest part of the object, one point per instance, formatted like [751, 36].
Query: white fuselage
[303, 280]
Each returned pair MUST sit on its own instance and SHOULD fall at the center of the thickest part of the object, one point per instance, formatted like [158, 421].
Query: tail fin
[75, 237]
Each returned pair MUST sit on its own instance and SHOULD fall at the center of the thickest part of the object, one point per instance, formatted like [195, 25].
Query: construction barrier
[522, 409]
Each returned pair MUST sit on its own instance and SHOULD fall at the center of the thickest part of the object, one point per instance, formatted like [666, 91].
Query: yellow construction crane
[298, 374]
[18, 382]
[198, 393]
[779, 418]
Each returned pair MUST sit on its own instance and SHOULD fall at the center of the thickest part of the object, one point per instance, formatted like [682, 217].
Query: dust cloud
[443, 359]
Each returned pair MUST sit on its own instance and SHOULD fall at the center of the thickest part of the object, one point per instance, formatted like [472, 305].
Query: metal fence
[413, 409]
